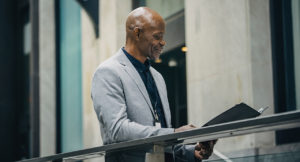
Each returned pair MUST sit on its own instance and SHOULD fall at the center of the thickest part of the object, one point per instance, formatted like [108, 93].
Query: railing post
[157, 155]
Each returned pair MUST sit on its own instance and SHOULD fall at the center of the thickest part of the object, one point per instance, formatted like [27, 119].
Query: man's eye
[157, 37]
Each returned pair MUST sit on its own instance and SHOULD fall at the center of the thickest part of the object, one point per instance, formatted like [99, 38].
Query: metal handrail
[260, 124]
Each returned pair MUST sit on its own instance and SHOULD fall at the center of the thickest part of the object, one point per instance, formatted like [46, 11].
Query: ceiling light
[184, 49]
[158, 61]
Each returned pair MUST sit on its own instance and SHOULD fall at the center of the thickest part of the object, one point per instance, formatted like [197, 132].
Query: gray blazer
[122, 104]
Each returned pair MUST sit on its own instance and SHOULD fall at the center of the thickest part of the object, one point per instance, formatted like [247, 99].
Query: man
[130, 97]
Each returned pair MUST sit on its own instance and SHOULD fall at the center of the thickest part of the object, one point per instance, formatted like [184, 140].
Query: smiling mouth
[159, 50]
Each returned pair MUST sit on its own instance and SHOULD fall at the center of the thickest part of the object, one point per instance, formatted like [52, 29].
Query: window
[286, 57]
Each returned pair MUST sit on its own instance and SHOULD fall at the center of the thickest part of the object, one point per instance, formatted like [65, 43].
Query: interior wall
[228, 62]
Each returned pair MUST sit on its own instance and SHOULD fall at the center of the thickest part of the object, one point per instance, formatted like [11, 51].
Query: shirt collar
[136, 63]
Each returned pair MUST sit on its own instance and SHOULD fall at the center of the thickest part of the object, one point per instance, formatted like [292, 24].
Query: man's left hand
[203, 150]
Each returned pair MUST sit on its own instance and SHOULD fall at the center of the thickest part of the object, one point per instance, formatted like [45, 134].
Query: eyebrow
[161, 33]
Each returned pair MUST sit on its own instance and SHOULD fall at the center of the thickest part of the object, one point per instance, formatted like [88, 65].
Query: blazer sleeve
[110, 106]
[183, 153]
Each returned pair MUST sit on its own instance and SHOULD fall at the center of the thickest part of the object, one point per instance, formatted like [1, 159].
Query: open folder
[237, 112]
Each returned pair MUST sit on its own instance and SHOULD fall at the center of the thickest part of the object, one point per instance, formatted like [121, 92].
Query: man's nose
[162, 43]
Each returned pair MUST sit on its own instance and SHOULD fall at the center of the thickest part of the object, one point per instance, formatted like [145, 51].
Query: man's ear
[137, 32]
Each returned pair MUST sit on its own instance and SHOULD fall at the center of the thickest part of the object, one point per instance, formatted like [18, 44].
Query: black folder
[238, 112]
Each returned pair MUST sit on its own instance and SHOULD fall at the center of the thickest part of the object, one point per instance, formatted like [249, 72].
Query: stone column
[228, 62]
[47, 66]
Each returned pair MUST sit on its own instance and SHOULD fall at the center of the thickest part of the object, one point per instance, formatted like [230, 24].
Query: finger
[205, 151]
[201, 144]
[205, 156]
[191, 125]
[205, 144]
[198, 155]
[198, 146]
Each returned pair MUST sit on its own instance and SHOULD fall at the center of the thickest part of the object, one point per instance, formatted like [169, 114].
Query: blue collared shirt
[145, 74]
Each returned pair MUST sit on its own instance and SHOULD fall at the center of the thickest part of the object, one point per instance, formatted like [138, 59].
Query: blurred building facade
[218, 54]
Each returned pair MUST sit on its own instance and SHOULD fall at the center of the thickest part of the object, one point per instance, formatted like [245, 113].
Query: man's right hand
[185, 128]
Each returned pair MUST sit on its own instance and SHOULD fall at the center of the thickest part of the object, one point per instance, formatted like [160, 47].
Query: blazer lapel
[130, 69]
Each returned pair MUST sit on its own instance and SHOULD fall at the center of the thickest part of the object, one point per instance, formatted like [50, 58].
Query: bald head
[144, 34]
[142, 18]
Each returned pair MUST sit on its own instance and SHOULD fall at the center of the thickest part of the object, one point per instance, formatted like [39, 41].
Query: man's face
[151, 40]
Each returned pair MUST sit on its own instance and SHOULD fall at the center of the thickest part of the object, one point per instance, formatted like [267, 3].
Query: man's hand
[185, 128]
[203, 150]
